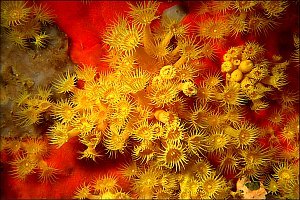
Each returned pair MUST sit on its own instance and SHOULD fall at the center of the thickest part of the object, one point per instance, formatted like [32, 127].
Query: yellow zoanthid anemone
[84, 123]
[27, 116]
[233, 114]
[243, 6]
[136, 80]
[252, 51]
[168, 181]
[83, 191]
[41, 40]
[173, 156]
[221, 6]
[65, 83]
[25, 23]
[258, 105]
[205, 93]
[197, 117]
[106, 183]
[23, 166]
[144, 152]
[115, 141]
[244, 134]
[167, 72]
[213, 29]
[22, 98]
[109, 91]
[123, 109]
[123, 37]
[89, 153]
[43, 14]
[14, 13]
[44, 92]
[212, 78]
[284, 173]
[146, 181]
[186, 72]
[202, 168]
[259, 24]
[231, 95]
[58, 134]
[143, 13]
[197, 143]
[209, 51]
[162, 95]
[271, 185]
[47, 173]
[274, 10]
[238, 24]
[143, 131]
[35, 147]
[217, 141]
[174, 131]
[13, 147]
[130, 170]
[290, 131]
[188, 88]
[255, 156]
[211, 185]
[86, 73]
[229, 162]
[157, 130]
[64, 111]
[190, 50]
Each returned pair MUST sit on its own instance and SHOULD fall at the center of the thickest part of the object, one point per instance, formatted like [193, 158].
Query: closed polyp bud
[246, 66]
[227, 66]
[236, 75]
[167, 72]
[189, 89]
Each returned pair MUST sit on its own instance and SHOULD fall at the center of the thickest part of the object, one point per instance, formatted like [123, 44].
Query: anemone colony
[24, 24]
[183, 126]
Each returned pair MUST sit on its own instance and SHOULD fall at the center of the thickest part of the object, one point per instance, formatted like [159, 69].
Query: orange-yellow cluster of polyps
[284, 180]
[28, 157]
[253, 75]
[25, 23]
[105, 187]
[274, 10]
[14, 13]
[223, 19]
[31, 106]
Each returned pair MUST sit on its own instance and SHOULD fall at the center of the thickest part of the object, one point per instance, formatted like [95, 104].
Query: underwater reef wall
[149, 99]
